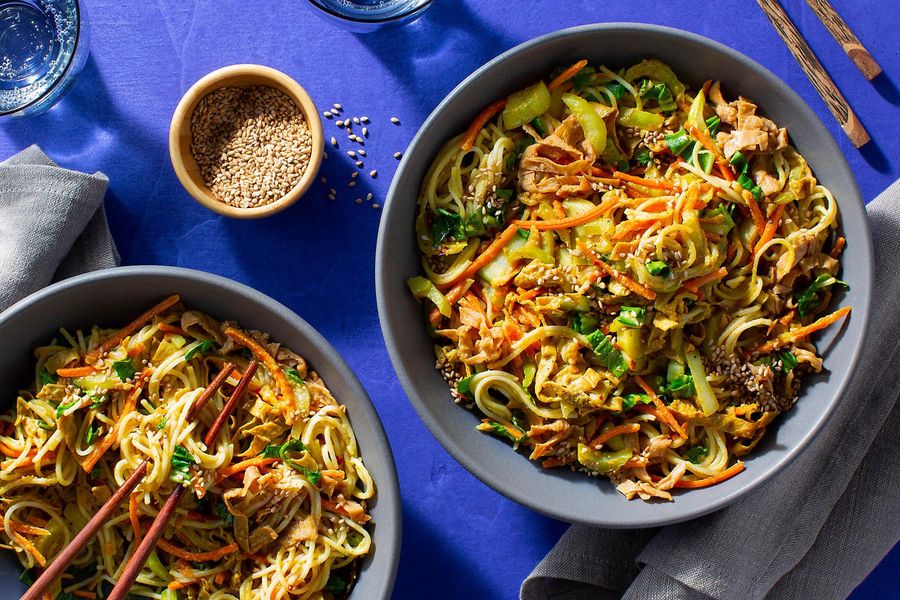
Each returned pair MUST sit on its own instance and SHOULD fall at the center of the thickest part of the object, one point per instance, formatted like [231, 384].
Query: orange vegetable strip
[708, 481]
[487, 256]
[136, 350]
[566, 75]
[650, 183]
[29, 547]
[480, 121]
[453, 297]
[625, 280]
[791, 336]
[558, 208]
[257, 461]
[177, 585]
[769, 231]
[665, 414]
[287, 392]
[72, 372]
[196, 556]
[568, 222]
[758, 219]
[706, 141]
[838, 247]
[83, 594]
[220, 577]
[725, 170]
[696, 283]
[142, 319]
[167, 328]
[110, 438]
[135, 518]
[612, 432]
[554, 461]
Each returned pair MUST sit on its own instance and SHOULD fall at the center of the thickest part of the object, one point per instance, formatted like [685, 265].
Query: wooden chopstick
[814, 70]
[846, 38]
[65, 558]
[133, 567]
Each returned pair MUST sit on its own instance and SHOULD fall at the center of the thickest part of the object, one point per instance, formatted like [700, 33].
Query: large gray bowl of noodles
[562, 493]
[113, 297]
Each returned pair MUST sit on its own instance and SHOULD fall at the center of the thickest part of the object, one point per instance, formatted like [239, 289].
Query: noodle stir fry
[278, 508]
[622, 274]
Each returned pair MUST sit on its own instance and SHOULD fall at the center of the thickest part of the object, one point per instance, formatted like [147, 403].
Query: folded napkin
[814, 531]
[52, 224]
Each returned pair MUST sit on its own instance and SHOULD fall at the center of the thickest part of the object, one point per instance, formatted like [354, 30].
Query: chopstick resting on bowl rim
[816, 73]
[65, 558]
[136, 563]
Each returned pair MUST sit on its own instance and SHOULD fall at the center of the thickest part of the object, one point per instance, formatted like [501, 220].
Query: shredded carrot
[612, 432]
[805, 331]
[705, 141]
[177, 585]
[136, 350]
[631, 284]
[630, 226]
[135, 518]
[72, 372]
[480, 121]
[257, 461]
[758, 219]
[558, 208]
[658, 184]
[288, 408]
[665, 415]
[554, 461]
[770, 229]
[453, 296]
[196, 556]
[220, 578]
[838, 246]
[566, 75]
[29, 547]
[485, 257]
[693, 285]
[167, 328]
[531, 294]
[568, 222]
[83, 594]
[120, 335]
[725, 170]
[110, 438]
[708, 481]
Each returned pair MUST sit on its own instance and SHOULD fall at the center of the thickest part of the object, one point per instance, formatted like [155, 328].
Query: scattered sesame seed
[358, 200]
[359, 164]
[364, 119]
[323, 180]
[356, 120]
[339, 123]
[351, 153]
[373, 173]
[338, 106]
[354, 174]
[397, 155]
[333, 142]
[369, 196]
[361, 152]
[332, 191]
[351, 183]
[365, 132]
[395, 120]
[327, 114]
[376, 205]
[325, 155]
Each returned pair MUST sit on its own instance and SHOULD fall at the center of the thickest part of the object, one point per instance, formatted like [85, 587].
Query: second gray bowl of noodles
[113, 297]
[563, 494]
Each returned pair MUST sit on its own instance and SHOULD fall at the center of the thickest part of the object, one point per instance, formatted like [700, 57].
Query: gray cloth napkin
[814, 531]
[52, 224]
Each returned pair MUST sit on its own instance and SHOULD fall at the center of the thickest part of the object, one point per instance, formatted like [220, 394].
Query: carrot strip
[838, 247]
[805, 331]
[566, 75]
[220, 578]
[630, 226]
[568, 222]
[257, 461]
[665, 414]
[625, 280]
[693, 285]
[167, 328]
[453, 296]
[706, 141]
[531, 294]
[558, 208]
[758, 219]
[120, 335]
[658, 184]
[612, 432]
[554, 461]
[480, 121]
[136, 350]
[769, 231]
[72, 372]
[177, 585]
[110, 438]
[287, 392]
[487, 256]
[135, 518]
[83, 594]
[29, 547]
[708, 481]
[196, 556]
[726, 171]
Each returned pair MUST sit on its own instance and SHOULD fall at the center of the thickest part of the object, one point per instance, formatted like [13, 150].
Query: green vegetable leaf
[725, 226]
[630, 400]
[680, 143]
[223, 513]
[584, 323]
[124, 369]
[293, 375]
[616, 88]
[642, 156]
[519, 420]
[713, 123]
[659, 268]
[162, 422]
[705, 161]
[47, 377]
[203, 347]
[91, 434]
[539, 127]
[335, 584]
[464, 386]
[788, 361]
[696, 454]
[447, 225]
[809, 298]
[748, 184]
[181, 463]
[739, 162]
[272, 451]
[63, 407]
[354, 538]
[608, 355]
[98, 401]
[45, 425]
[632, 316]
[681, 387]
[27, 577]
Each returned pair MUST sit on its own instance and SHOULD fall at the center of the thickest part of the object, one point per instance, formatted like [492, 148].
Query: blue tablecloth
[460, 538]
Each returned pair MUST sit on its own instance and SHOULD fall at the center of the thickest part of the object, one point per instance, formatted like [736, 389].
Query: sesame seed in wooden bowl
[246, 141]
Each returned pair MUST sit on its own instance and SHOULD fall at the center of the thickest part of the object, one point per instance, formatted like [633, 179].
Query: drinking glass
[370, 15]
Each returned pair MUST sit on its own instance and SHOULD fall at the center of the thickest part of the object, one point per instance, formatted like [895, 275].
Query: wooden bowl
[241, 76]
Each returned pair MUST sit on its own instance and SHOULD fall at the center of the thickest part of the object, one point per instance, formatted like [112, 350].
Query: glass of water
[43, 47]
[370, 15]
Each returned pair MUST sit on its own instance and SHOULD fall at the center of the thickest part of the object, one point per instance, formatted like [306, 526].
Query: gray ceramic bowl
[563, 494]
[113, 297]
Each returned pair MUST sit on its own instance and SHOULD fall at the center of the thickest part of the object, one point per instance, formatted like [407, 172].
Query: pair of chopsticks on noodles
[135, 564]
[814, 70]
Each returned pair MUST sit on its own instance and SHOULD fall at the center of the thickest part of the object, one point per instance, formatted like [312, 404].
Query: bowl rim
[455, 446]
[388, 490]
[219, 78]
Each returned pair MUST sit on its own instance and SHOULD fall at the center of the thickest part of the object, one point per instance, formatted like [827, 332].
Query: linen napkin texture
[52, 224]
[815, 530]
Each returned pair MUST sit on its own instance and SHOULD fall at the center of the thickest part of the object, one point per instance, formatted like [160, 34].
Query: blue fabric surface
[460, 538]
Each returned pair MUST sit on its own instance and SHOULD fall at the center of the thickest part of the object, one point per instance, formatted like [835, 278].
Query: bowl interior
[115, 296]
[563, 494]
[240, 76]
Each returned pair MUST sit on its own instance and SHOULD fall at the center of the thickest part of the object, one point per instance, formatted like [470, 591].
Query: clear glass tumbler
[364, 16]
[43, 47]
